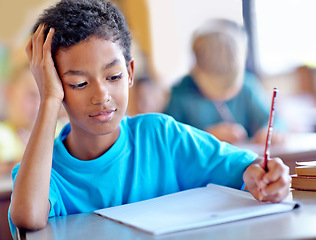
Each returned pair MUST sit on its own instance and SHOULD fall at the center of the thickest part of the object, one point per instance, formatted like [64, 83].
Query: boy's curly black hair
[76, 20]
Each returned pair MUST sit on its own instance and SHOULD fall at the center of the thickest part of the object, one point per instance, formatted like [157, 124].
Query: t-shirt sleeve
[11, 225]
[54, 196]
[53, 202]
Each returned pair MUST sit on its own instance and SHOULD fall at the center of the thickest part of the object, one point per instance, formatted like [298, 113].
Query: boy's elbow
[29, 220]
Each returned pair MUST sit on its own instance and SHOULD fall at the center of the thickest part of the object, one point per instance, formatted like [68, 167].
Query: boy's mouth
[103, 116]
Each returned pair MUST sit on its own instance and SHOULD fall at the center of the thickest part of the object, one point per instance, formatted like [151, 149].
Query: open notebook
[192, 208]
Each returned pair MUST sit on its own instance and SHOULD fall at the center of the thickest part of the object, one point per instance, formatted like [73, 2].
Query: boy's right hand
[228, 132]
[42, 65]
[273, 186]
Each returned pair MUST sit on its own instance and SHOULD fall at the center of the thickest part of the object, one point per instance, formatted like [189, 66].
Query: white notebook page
[191, 209]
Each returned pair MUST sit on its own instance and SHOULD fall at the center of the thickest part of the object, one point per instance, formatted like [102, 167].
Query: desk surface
[297, 224]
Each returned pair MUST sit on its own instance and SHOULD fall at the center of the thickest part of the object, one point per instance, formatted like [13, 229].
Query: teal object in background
[4, 62]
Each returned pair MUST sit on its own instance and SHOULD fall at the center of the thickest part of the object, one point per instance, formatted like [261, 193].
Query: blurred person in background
[22, 101]
[21, 105]
[147, 96]
[218, 95]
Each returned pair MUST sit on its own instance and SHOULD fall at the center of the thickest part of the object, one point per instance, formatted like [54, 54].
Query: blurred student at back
[21, 106]
[218, 95]
[146, 97]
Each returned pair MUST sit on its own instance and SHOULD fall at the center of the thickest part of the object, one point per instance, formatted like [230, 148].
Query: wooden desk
[5, 194]
[297, 147]
[297, 224]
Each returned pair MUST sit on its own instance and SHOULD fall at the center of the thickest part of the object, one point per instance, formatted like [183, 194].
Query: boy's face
[96, 82]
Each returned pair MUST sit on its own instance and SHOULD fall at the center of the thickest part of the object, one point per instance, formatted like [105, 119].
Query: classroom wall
[16, 18]
[165, 29]
[172, 25]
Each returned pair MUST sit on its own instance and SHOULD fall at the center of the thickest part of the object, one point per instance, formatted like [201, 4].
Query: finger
[40, 42]
[278, 188]
[253, 177]
[47, 51]
[47, 47]
[276, 169]
[278, 196]
[35, 36]
[29, 47]
[48, 41]
[34, 41]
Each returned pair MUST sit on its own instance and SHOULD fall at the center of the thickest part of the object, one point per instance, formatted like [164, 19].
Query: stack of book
[305, 177]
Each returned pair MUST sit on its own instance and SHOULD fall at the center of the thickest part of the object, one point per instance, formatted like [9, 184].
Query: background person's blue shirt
[250, 107]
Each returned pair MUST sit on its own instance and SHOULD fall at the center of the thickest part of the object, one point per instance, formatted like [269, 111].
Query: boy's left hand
[273, 186]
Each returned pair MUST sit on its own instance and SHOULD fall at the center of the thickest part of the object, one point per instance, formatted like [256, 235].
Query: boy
[80, 56]
[218, 95]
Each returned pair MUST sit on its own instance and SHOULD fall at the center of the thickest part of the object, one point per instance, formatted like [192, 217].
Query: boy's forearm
[30, 205]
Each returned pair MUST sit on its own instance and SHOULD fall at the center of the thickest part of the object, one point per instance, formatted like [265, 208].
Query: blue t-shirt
[250, 107]
[154, 155]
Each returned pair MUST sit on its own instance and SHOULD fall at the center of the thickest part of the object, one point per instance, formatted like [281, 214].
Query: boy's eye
[79, 85]
[114, 78]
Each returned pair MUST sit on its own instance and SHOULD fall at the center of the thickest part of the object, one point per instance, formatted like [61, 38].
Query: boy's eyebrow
[82, 73]
[74, 72]
[111, 64]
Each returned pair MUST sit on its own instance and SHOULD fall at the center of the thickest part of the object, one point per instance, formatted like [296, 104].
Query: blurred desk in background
[297, 147]
[5, 194]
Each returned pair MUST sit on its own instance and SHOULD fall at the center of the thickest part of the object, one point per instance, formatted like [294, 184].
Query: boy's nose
[100, 95]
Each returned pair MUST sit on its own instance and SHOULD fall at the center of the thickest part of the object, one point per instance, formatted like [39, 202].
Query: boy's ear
[131, 73]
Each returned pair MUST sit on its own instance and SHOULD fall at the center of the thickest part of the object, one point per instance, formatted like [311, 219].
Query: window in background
[284, 35]
[284, 40]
